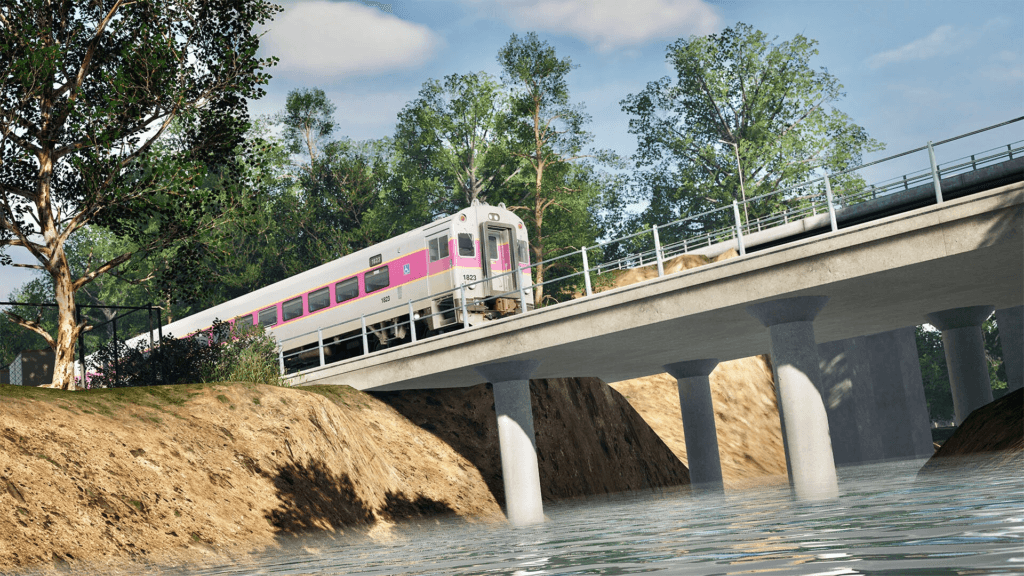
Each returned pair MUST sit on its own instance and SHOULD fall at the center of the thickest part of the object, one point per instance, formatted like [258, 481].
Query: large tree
[738, 88]
[87, 90]
[548, 136]
[452, 144]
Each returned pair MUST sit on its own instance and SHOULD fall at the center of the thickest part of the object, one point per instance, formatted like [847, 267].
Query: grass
[342, 395]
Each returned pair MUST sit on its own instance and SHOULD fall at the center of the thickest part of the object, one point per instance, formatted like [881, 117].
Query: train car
[479, 247]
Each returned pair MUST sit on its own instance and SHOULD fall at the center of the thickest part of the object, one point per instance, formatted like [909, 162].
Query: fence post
[831, 208]
[465, 313]
[160, 340]
[280, 358]
[149, 362]
[657, 251]
[586, 271]
[366, 342]
[117, 377]
[412, 322]
[935, 174]
[739, 233]
[320, 343]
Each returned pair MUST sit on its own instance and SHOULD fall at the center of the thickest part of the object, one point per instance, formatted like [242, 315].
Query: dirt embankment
[170, 472]
[992, 435]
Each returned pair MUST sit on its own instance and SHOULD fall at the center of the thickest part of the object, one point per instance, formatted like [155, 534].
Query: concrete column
[698, 420]
[794, 354]
[964, 346]
[519, 468]
[1011, 337]
[874, 397]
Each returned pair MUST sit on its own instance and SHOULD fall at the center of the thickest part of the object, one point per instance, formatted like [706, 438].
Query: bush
[224, 353]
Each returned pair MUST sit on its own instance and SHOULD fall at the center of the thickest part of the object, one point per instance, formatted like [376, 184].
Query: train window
[442, 246]
[524, 251]
[268, 317]
[466, 247]
[346, 289]
[438, 248]
[492, 247]
[291, 309]
[319, 300]
[244, 320]
[376, 279]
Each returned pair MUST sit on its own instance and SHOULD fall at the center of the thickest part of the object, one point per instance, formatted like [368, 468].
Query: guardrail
[807, 199]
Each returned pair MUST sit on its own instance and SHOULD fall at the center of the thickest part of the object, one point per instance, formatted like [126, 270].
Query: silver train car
[479, 247]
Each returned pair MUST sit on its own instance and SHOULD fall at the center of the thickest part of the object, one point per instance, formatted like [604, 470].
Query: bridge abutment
[794, 354]
[874, 398]
[964, 346]
[518, 442]
[698, 415]
[1011, 337]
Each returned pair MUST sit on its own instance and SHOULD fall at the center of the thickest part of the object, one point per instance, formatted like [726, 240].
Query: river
[885, 521]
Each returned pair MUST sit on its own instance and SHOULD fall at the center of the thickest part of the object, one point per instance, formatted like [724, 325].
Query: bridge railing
[582, 272]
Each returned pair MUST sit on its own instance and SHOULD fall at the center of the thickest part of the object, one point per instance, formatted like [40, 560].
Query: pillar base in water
[519, 469]
[964, 345]
[698, 415]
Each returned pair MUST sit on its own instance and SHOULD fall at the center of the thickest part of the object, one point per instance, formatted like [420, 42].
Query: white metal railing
[820, 200]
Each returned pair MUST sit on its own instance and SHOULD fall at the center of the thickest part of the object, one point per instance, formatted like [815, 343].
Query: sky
[912, 71]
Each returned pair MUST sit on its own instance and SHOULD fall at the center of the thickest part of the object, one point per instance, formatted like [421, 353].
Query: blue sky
[913, 71]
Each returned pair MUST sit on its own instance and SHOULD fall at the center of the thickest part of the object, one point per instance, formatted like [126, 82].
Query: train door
[500, 259]
[439, 263]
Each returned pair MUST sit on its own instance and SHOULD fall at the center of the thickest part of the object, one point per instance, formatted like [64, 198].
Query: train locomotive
[473, 252]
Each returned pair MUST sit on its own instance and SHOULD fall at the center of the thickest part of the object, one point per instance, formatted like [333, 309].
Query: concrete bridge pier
[1011, 338]
[794, 354]
[964, 346]
[698, 421]
[519, 468]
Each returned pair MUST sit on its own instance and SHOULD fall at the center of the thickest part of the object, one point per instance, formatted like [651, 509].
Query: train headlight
[493, 216]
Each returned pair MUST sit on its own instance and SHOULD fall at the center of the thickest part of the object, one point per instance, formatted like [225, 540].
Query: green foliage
[225, 353]
[742, 88]
[452, 143]
[308, 119]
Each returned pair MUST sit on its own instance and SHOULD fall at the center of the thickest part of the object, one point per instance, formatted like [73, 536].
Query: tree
[548, 136]
[452, 144]
[308, 119]
[738, 88]
[87, 91]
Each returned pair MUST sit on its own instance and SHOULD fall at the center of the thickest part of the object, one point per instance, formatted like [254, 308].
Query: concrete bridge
[948, 264]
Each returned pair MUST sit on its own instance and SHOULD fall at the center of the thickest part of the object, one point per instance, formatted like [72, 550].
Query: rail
[807, 199]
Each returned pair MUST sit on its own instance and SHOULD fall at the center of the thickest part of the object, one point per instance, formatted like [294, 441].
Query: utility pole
[746, 217]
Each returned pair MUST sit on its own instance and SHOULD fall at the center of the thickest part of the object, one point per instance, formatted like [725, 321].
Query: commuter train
[478, 247]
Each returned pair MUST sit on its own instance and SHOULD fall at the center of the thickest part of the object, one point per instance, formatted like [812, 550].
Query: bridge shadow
[590, 441]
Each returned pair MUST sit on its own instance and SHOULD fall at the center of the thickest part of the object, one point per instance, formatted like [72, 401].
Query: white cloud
[943, 41]
[611, 24]
[345, 39]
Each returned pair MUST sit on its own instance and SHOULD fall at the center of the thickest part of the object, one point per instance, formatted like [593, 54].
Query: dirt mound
[184, 470]
[746, 417]
[589, 439]
[742, 391]
[994, 433]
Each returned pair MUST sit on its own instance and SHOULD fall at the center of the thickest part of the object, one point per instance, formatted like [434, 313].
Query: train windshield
[466, 247]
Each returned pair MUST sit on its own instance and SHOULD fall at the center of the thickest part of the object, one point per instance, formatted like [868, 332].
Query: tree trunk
[67, 328]
[538, 220]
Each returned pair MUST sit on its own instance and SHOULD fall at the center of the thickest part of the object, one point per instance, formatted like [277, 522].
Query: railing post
[739, 233]
[1009, 150]
[973, 165]
[586, 272]
[320, 342]
[412, 322]
[522, 297]
[366, 341]
[280, 358]
[657, 251]
[831, 208]
[935, 174]
[465, 313]
[905, 185]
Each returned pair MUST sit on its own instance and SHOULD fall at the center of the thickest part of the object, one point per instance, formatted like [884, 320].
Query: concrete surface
[698, 415]
[964, 347]
[1010, 323]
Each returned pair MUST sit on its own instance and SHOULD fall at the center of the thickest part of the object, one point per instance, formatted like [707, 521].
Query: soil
[992, 435]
